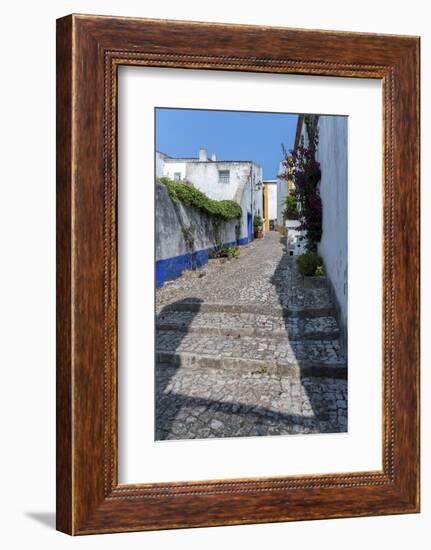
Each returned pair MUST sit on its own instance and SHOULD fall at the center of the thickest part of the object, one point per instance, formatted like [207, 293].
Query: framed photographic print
[237, 274]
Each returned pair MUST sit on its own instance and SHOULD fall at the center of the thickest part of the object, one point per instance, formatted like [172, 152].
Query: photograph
[251, 259]
[214, 237]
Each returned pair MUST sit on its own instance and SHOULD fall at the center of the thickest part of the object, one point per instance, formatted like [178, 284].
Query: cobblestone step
[249, 324]
[256, 309]
[247, 349]
[195, 404]
[253, 366]
[251, 354]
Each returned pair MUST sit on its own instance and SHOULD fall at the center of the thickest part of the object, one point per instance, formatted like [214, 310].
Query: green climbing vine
[189, 195]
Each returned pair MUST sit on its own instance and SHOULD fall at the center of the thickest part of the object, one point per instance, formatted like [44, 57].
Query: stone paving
[279, 352]
[261, 275]
[244, 350]
[196, 404]
[248, 324]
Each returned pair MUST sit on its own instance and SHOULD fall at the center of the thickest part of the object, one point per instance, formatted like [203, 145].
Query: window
[223, 176]
[177, 176]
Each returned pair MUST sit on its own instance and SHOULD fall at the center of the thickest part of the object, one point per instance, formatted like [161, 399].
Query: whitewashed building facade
[331, 153]
[237, 180]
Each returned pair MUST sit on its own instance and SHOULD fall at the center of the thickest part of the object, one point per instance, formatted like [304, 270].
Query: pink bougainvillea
[303, 170]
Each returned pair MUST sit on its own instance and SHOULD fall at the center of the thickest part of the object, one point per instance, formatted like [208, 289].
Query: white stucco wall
[170, 168]
[244, 186]
[245, 202]
[332, 155]
[205, 176]
[160, 163]
[258, 201]
[171, 217]
[256, 190]
[281, 195]
[272, 201]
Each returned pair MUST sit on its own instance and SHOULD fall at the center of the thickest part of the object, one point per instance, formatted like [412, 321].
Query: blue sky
[231, 135]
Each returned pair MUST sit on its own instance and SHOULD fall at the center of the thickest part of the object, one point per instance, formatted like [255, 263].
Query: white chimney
[213, 157]
[203, 154]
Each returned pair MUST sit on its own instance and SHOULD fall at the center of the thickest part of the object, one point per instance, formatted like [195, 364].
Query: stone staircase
[248, 350]
[300, 341]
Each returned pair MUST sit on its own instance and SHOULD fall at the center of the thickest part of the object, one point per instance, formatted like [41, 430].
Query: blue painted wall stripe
[171, 268]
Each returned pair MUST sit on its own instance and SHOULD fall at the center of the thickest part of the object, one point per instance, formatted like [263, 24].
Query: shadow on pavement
[324, 409]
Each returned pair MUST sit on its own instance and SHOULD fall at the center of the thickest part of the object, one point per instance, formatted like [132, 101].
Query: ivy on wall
[187, 194]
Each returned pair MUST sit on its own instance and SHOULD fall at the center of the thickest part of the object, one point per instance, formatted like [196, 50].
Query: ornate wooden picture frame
[89, 51]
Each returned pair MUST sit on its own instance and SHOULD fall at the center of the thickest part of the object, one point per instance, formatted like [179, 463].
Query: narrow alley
[243, 349]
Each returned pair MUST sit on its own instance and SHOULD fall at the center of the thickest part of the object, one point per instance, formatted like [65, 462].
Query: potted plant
[291, 207]
[258, 227]
[310, 266]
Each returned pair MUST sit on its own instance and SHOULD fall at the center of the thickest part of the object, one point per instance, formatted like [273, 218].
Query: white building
[270, 204]
[236, 180]
[282, 190]
[296, 238]
[331, 153]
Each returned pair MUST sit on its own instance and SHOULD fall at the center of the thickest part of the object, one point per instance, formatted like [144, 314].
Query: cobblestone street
[243, 349]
